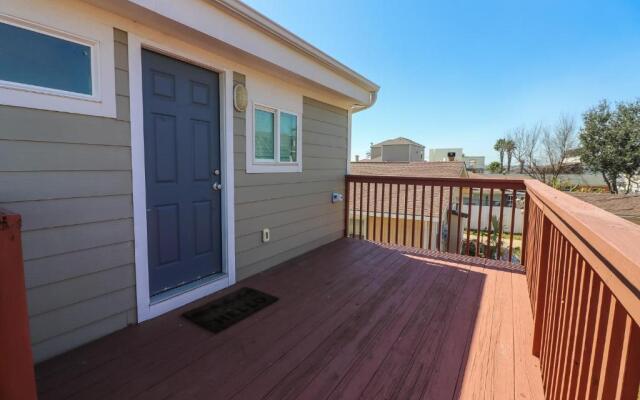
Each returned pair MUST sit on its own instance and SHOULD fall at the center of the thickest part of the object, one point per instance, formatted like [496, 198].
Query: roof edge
[258, 20]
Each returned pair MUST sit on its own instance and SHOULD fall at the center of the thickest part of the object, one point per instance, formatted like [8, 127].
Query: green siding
[296, 207]
[70, 177]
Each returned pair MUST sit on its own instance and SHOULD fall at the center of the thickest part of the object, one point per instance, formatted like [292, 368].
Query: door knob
[217, 186]
[216, 172]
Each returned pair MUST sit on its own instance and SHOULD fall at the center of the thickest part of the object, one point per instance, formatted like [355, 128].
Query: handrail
[429, 213]
[612, 243]
[17, 379]
[495, 183]
[583, 275]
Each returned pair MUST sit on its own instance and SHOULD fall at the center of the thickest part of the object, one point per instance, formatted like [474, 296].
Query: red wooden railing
[16, 364]
[438, 213]
[583, 272]
[582, 265]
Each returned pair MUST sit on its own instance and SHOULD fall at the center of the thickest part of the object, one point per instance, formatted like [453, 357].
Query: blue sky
[463, 73]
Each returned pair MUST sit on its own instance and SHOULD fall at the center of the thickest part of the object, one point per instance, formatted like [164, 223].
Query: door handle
[217, 186]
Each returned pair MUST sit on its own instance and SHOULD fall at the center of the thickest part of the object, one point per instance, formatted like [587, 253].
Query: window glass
[37, 59]
[288, 137]
[265, 135]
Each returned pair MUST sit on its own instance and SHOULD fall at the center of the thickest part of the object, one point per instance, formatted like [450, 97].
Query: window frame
[255, 165]
[101, 101]
[92, 44]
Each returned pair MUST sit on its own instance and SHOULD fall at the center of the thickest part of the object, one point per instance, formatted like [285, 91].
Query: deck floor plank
[354, 320]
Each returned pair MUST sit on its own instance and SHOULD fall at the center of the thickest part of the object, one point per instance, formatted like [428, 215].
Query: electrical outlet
[266, 235]
[336, 197]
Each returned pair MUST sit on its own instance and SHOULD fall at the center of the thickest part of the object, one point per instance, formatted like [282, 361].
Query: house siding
[296, 207]
[69, 175]
[395, 152]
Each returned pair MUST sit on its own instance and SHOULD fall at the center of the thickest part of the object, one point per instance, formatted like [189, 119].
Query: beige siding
[69, 176]
[393, 152]
[296, 207]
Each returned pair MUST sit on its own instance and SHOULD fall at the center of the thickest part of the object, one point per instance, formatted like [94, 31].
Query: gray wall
[417, 153]
[296, 207]
[69, 176]
[395, 152]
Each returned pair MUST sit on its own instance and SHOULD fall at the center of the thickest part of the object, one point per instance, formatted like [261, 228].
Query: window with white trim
[50, 68]
[276, 137]
[36, 60]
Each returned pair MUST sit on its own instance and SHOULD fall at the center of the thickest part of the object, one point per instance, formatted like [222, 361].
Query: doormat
[226, 311]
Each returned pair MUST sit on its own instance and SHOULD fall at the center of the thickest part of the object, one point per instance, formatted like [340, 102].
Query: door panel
[182, 149]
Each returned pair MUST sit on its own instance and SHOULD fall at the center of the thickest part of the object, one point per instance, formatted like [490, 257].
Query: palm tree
[500, 147]
[509, 148]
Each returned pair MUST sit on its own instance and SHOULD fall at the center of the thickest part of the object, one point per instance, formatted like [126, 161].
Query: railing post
[17, 379]
[346, 207]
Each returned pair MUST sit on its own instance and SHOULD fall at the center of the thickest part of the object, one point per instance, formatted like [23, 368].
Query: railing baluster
[397, 212]
[439, 222]
[367, 214]
[499, 244]
[353, 228]
[361, 207]
[413, 224]
[375, 210]
[488, 254]
[406, 222]
[375, 223]
[422, 221]
[458, 237]
[347, 184]
[430, 215]
[389, 222]
[469, 218]
[513, 224]
[479, 225]
[449, 230]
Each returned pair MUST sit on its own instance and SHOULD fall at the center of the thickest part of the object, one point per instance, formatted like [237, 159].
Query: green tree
[500, 148]
[610, 141]
[509, 148]
[495, 167]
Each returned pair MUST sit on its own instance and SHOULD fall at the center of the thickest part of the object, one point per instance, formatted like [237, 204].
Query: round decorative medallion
[240, 97]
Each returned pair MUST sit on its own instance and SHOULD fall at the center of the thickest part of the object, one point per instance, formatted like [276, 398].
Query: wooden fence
[433, 213]
[583, 272]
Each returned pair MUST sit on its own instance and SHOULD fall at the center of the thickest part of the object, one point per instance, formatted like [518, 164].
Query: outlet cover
[266, 235]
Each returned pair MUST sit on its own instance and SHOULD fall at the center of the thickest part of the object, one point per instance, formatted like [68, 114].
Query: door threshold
[177, 291]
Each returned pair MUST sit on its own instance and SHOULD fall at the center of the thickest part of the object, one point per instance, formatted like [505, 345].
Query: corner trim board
[146, 309]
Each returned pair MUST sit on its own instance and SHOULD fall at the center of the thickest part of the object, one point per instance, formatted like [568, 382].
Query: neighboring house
[473, 163]
[145, 173]
[391, 223]
[398, 149]
[623, 205]
[448, 154]
[582, 182]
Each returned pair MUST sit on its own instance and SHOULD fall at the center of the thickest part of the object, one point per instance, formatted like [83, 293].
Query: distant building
[445, 154]
[398, 149]
[473, 163]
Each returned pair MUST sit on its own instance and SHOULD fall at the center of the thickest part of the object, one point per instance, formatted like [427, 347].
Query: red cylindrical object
[17, 378]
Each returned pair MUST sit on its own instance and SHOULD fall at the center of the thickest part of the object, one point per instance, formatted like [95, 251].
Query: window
[276, 141]
[288, 137]
[265, 138]
[36, 59]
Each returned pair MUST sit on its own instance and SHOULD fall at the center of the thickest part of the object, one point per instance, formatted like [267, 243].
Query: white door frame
[147, 310]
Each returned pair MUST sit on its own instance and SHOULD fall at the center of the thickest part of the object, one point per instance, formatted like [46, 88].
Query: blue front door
[182, 164]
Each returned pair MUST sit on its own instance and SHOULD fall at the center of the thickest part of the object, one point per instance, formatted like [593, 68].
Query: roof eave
[256, 19]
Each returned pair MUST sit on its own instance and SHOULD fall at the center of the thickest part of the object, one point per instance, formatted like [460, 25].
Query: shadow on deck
[354, 320]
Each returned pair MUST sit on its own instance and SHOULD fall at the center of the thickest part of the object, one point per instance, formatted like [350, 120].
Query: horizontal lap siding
[69, 175]
[296, 207]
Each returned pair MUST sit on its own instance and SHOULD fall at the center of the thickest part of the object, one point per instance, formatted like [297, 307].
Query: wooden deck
[354, 320]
